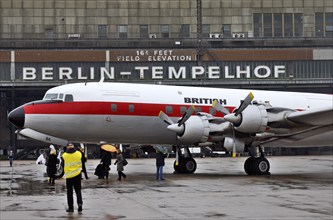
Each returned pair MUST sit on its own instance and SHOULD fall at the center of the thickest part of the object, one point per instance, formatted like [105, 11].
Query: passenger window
[183, 109]
[131, 108]
[212, 111]
[113, 107]
[168, 109]
[69, 98]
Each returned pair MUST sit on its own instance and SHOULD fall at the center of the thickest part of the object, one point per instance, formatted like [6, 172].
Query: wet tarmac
[299, 188]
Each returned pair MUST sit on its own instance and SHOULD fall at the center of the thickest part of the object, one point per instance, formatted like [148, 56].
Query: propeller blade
[247, 101]
[186, 115]
[165, 118]
[218, 107]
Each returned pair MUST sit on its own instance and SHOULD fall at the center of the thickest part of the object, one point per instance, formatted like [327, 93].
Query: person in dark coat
[120, 165]
[51, 164]
[84, 160]
[159, 165]
[106, 161]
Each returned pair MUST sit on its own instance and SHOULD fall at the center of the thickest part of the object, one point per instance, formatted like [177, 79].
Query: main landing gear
[256, 165]
[184, 163]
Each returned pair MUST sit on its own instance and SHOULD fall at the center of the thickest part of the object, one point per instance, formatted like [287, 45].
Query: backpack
[125, 162]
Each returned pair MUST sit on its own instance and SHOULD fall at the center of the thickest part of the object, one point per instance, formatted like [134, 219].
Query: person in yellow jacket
[73, 167]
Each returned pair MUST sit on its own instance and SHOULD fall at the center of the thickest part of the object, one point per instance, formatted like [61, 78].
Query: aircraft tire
[261, 165]
[257, 166]
[249, 166]
[186, 165]
[189, 165]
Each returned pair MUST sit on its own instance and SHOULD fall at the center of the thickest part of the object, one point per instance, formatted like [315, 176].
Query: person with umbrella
[107, 149]
[161, 153]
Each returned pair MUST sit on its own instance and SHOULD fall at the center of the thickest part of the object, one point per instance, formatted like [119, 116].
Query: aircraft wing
[312, 127]
[313, 117]
[314, 136]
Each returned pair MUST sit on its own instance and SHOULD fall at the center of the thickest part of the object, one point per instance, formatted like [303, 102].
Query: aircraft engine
[199, 129]
[253, 119]
[196, 130]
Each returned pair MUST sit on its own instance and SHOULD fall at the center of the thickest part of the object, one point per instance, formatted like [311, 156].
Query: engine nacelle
[229, 143]
[196, 130]
[253, 119]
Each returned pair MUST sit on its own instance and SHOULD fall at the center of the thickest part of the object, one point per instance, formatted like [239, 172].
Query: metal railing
[83, 43]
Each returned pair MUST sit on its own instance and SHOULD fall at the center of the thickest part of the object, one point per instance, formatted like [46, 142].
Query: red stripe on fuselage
[104, 108]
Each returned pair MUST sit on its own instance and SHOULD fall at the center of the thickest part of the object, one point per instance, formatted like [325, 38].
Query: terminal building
[253, 44]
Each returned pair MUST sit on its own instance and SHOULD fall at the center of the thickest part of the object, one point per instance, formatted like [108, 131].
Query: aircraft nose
[17, 117]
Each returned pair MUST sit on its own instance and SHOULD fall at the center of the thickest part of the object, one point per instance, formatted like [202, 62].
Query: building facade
[255, 44]
[59, 19]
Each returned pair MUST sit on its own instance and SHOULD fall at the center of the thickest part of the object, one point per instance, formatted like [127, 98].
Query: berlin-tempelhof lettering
[154, 72]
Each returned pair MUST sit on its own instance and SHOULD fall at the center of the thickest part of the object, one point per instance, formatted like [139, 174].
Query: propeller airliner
[127, 113]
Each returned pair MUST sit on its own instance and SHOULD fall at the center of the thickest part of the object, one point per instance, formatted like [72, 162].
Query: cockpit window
[61, 96]
[51, 96]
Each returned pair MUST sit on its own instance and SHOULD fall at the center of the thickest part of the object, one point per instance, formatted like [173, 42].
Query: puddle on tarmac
[37, 187]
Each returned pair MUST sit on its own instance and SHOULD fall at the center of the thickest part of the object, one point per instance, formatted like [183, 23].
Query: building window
[184, 31]
[288, 25]
[257, 25]
[102, 31]
[319, 24]
[122, 30]
[268, 32]
[298, 24]
[278, 25]
[165, 31]
[329, 24]
[144, 31]
[205, 30]
[226, 30]
[49, 33]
